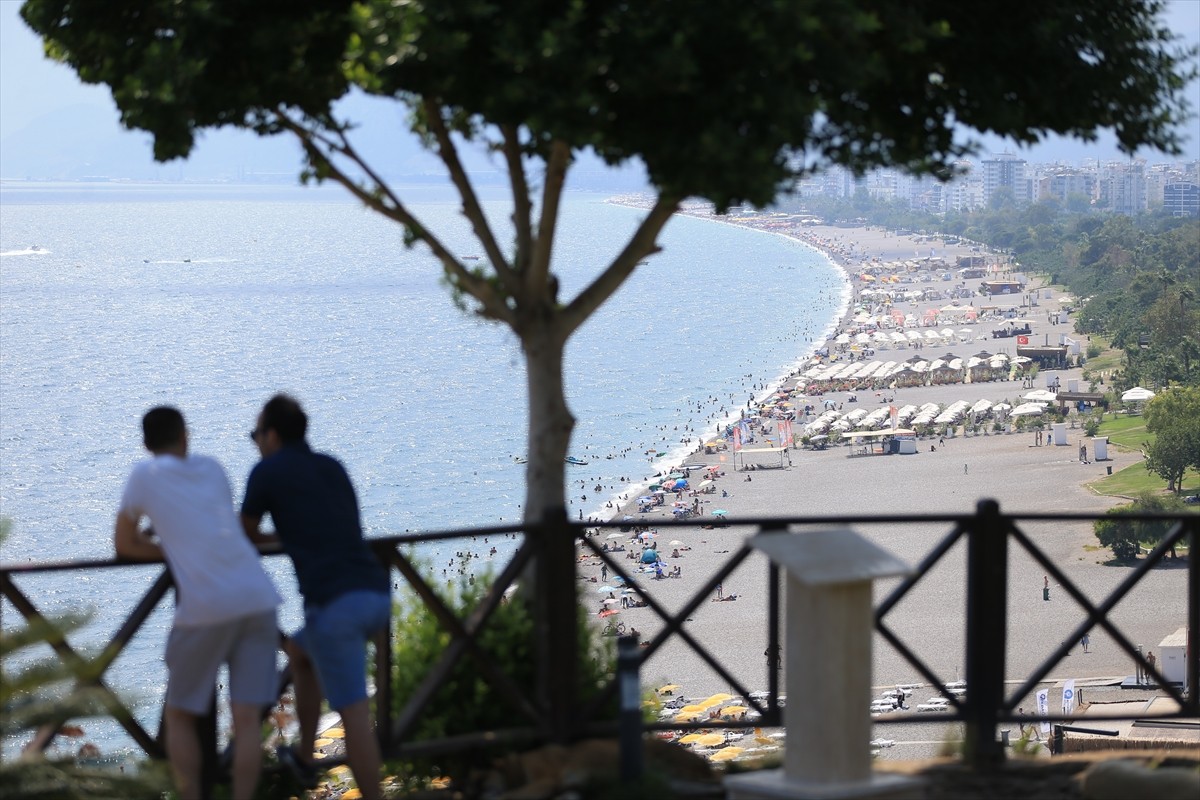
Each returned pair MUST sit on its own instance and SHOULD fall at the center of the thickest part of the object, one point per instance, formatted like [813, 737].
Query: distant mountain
[84, 142]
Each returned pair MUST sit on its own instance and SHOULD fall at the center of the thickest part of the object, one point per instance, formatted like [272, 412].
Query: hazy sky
[31, 85]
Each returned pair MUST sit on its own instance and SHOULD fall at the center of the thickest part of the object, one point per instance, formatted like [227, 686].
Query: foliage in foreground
[467, 703]
[1125, 536]
[44, 692]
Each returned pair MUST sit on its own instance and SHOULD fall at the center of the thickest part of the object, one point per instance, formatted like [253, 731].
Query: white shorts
[247, 644]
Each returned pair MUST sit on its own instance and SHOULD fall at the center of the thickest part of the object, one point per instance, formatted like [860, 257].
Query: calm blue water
[214, 298]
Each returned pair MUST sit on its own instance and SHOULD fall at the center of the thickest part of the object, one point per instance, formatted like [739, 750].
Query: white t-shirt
[218, 575]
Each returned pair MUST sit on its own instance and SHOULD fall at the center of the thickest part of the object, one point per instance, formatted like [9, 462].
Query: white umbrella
[616, 535]
[1040, 394]
[1136, 395]
[981, 406]
[1027, 409]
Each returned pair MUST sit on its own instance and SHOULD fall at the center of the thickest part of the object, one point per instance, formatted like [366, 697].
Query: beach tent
[1040, 395]
[649, 556]
[1137, 395]
[1027, 410]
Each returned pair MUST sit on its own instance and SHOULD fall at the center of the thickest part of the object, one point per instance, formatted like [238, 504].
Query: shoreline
[944, 477]
[863, 239]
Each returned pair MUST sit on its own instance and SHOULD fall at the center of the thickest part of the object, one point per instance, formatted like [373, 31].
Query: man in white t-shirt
[224, 601]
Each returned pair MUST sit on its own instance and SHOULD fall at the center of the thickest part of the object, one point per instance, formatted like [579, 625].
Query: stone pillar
[828, 671]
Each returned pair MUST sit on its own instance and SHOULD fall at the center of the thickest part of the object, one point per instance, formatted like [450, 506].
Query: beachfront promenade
[945, 476]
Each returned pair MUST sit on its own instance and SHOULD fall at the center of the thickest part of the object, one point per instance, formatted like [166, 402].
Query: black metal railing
[551, 711]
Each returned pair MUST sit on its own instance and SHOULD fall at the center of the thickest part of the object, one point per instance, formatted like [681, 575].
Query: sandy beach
[947, 475]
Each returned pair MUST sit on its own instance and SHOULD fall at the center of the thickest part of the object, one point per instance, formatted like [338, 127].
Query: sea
[115, 298]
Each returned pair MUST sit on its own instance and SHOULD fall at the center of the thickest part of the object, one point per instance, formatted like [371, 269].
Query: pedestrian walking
[604, 573]
[1046, 587]
[1084, 642]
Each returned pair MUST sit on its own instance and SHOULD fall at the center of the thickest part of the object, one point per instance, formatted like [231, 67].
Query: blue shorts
[335, 637]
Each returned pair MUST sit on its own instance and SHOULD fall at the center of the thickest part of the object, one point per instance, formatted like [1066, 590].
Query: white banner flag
[1043, 707]
[1068, 698]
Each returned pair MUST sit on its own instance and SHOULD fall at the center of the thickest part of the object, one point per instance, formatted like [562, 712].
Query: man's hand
[133, 545]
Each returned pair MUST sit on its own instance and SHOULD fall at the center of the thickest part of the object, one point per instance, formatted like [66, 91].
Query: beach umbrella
[1136, 395]
[726, 754]
[615, 535]
[676, 543]
[1027, 410]
[711, 739]
[691, 738]
[1040, 394]
[603, 589]
[649, 556]
[719, 512]
[689, 716]
[611, 601]
[719, 697]
[670, 687]
[733, 711]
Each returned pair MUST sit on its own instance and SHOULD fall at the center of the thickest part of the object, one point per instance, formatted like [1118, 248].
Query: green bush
[1094, 350]
[467, 703]
[1125, 536]
[1091, 424]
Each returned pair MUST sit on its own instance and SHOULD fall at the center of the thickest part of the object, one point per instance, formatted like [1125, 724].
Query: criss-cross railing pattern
[547, 557]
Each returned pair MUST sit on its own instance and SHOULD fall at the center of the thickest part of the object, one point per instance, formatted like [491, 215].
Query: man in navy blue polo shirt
[346, 600]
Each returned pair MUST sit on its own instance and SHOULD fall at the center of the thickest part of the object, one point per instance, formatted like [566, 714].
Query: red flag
[1022, 340]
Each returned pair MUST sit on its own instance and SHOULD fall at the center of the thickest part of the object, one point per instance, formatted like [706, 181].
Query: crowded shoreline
[780, 471]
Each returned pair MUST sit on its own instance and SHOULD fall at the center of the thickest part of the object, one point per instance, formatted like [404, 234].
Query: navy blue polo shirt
[312, 503]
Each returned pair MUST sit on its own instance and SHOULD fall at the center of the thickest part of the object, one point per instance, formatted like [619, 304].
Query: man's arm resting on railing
[266, 543]
[132, 544]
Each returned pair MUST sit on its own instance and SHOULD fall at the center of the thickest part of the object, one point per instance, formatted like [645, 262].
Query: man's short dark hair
[286, 417]
[162, 427]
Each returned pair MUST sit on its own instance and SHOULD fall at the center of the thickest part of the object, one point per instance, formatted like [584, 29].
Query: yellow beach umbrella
[733, 711]
[720, 697]
[726, 754]
[670, 687]
[691, 738]
[689, 716]
[695, 708]
[711, 739]
[322, 742]
[335, 733]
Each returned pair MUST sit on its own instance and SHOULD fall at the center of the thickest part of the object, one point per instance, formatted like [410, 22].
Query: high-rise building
[1182, 199]
[1005, 171]
[1123, 186]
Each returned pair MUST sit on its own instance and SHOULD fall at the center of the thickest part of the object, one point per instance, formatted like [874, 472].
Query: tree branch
[556, 171]
[522, 209]
[471, 208]
[381, 199]
[641, 244]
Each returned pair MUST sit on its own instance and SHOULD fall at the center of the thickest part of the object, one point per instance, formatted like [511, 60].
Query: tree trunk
[549, 584]
[550, 421]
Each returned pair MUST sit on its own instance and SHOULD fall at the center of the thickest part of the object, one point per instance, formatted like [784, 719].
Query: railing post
[987, 608]
[558, 623]
[630, 719]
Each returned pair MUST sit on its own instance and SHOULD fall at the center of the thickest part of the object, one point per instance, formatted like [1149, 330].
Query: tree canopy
[721, 99]
[1174, 419]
